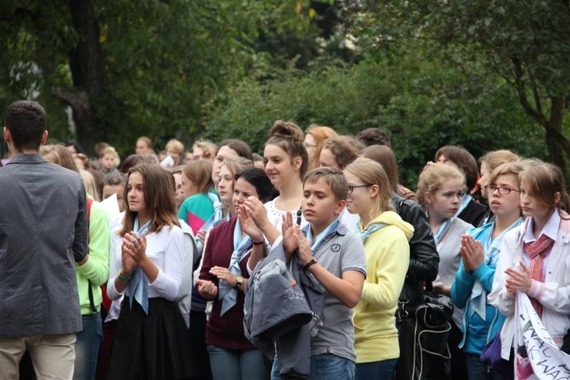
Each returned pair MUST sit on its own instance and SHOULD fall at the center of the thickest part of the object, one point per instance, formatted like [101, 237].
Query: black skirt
[153, 346]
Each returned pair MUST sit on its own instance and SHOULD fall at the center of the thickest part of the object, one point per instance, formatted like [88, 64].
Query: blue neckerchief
[364, 234]
[440, 234]
[138, 284]
[465, 199]
[322, 236]
[227, 294]
[491, 248]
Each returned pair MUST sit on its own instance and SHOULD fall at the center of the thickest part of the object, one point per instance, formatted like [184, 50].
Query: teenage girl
[385, 236]
[481, 249]
[147, 267]
[535, 257]
[440, 189]
[223, 279]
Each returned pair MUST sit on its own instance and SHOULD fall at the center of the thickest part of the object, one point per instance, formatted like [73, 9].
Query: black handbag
[424, 354]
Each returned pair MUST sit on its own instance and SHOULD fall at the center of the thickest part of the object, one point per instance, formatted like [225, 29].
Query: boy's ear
[340, 206]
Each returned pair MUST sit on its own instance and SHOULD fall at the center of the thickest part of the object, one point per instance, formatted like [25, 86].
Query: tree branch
[519, 85]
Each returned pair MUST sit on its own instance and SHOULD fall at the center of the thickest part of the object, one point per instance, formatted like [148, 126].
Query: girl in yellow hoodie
[385, 236]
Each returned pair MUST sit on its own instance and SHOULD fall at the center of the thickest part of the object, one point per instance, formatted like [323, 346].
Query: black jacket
[424, 259]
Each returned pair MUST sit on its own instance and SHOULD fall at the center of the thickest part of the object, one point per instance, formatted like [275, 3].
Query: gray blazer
[43, 232]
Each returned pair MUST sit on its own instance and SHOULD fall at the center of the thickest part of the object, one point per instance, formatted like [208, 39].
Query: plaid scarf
[537, 251]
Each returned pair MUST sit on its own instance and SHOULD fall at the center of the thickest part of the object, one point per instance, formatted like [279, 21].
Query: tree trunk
[87, 70]
[556, 142]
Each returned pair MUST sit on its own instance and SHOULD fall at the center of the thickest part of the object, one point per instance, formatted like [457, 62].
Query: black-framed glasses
[503, 190]
[352, 187]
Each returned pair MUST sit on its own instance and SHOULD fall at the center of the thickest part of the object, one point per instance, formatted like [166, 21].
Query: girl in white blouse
[148, 257]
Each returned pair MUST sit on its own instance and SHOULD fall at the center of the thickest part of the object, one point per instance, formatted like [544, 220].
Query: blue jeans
[476, 370]
[376, 370]
[87, 347]
[236, 364]
[324, 367]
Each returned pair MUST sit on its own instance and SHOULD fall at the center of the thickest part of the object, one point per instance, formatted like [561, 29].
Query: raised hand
[472, 253]
[248, 225]
[289, 233]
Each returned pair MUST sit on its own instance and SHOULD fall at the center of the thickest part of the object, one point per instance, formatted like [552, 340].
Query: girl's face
[444, 203]
[484, 179]
[279, 168]
[187, 157]
[142, 149]
[174, 154]
[223, 153]
[109, 190]
[310, 144]
[327, 158]
[187, 189]
[242, 190]
[226, 185]
[135, 195]
[505, 205]
[197, 153]
[107, 161]
[178, 196]
[360, 200]
[530, 204]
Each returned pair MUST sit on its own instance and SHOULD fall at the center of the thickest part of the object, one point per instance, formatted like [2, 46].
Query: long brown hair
[159, 190]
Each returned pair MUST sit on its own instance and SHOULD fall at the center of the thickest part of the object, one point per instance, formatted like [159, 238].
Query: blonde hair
[89, 184]
[111, 150]
[432, 178]
[208, 147]
[372, 173]
[497, 157]
[175, 145]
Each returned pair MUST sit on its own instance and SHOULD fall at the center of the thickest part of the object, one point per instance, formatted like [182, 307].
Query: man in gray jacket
[43, 234]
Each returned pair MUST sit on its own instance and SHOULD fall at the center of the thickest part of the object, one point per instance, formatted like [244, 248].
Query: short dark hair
[258, 178]
[240, 147]
[27, 121]
[374, 136]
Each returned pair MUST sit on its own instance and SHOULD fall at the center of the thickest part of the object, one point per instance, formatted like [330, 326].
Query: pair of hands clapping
[133, 251]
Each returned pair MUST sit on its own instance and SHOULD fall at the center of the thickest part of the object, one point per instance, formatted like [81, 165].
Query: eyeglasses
[352, 187]
[503, 190]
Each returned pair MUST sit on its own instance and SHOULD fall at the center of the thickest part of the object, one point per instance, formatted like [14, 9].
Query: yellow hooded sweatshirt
[387, 259]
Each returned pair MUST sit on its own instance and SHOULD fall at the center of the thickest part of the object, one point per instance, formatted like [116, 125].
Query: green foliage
[423, 101]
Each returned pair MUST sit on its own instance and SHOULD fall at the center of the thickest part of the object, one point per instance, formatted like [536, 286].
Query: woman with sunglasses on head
[480, 251]
[385, 236]
[535, 260]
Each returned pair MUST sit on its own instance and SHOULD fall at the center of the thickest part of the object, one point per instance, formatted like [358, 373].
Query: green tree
[527, 43]
[129, 68]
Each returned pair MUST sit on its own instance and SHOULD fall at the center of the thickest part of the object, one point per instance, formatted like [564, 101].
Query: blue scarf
[316, 243]
[138, 284]
[365, 234]
[227, 294]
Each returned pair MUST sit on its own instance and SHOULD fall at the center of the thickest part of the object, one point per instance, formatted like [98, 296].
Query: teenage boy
[335, 258]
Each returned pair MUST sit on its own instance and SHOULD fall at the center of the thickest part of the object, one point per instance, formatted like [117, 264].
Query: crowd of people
[305, 261]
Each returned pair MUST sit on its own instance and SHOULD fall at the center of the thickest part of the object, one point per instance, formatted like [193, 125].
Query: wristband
[308, 265]
[257, 242]
[124, 277]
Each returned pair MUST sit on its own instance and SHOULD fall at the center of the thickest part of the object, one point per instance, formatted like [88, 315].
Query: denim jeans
[476, 370]
[87, 347]
[324, 367]
[380, 370]
[236, 364]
